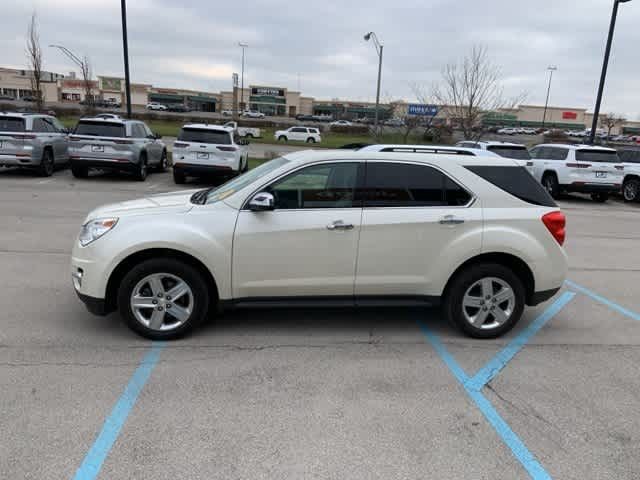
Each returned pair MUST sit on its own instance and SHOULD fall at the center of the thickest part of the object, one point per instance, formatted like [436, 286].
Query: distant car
[620, 138]
[245, 132]
[7, 97]
[114, 116]
[630, 159]
[227, 113]
[178, 107]
[156, 106]
[529, 131]
[203, 149]
[577, 168]
[111, 103]
[253, 114]
[394, 122]
[34, 141]
[427, 149]
[298, 134]
[28, 98]
[507, 131]
[341, 123]
[115, 144]
[304, 118]
[503, 149]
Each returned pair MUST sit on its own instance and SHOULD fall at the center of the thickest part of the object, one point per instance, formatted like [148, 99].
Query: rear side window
[516, 181]
[630, 156]
[11, 124]
[100, 129]
[408, 185]
[586, 155]
[202, 135]
[518, 153]
[556, 153]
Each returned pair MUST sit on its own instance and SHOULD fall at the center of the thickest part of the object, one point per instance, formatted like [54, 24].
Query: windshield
[519, 153]
[597, 156]
[238, 183]
[202, 135]
[100, 129]
[11, 124]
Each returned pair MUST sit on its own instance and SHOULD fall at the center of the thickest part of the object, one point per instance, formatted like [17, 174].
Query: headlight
[94, 229]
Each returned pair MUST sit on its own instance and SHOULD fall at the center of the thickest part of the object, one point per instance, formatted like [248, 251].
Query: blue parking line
[601, 299]
[92, 463]
[504, 356]
[535, 470]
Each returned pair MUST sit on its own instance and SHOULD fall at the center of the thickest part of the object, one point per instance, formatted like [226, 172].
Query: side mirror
[262, 202]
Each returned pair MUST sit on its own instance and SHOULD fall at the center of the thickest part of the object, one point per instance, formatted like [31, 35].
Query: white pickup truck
[248, 132]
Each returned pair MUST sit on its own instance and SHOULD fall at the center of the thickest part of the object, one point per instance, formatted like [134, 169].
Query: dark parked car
[179, 107]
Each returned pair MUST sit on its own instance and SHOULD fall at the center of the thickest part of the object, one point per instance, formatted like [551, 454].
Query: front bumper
[105, 164]
[197, 170]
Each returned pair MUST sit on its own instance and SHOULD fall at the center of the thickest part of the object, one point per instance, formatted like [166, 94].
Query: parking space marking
[605, 301]
[497, 363]
[92, 463]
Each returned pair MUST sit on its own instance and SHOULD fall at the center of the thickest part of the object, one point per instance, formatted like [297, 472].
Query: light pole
[379, 47]
[125, 49]
[551, 68]
[605, 64]
[243, 46]
[84, 69]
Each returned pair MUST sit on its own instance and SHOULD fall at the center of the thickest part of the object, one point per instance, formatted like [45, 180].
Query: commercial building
[270, 100]
[18, 83]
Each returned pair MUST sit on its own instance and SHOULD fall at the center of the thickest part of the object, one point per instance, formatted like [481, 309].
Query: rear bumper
[104, 163]
[585, 187]
[203, 170]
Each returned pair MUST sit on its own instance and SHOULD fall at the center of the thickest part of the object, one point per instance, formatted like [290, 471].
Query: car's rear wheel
[631, 190]
[46, 167]
[249, 135]
[600, 197]
[142, 171]
[282, 138]
[551, 185]
[311, 140]
[162, 166]
[79, 171]
[178, 177]
[485, 300]
[163, 299]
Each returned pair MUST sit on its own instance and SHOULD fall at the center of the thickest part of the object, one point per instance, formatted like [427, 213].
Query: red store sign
[569, 115]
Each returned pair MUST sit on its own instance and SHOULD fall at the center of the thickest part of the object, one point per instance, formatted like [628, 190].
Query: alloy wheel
[488, 303]
[630, 191]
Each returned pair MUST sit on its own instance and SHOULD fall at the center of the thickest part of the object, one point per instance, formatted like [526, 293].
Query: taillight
[25, 137]
[227, 149]
[555, 223]
[180, 145]
[578, 165]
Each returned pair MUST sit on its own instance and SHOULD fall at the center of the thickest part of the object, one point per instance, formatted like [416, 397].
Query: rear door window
[597, 156]
[511, 151]
[11, 124]
[100, 129]
[201, 135]
[557, 153]
[630, 156]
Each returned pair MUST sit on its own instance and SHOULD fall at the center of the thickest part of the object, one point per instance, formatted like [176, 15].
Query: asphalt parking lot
[368, 394]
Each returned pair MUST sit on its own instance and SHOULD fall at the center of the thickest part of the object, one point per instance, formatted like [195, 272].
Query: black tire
[188, 274]
[162, 166]
[178, 177]
[79, 171]
[600, 197]
[245, 167]
[47, 164]
[311, 140]
[249, 135]
[551, 185]
[142, 169]
[282, 138]
[464, 280]
[631, 190]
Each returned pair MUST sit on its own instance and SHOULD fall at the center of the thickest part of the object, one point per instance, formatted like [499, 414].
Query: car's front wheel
[282, 138]
[631, 190]
[141, 170]
[46, 167]
[162, 166]
[551, 185]
[485, 300]
[163, 299]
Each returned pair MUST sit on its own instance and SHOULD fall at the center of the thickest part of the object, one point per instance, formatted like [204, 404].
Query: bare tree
[610, 121]
[85, 71]
[34, 58]
[470, 89]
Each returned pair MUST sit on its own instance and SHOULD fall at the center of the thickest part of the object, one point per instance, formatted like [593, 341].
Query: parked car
[529, 131]
[7, 97]
[291, 232]
[244, 132]
[394, 122]
[630, 159]
[299, 134]
[304, 118]
[507, 131]
[178, 107]
[227, 113]
[108, 115]
[34, 141]
[577, 168]
[427, 149]
[29, 98]
[156, 106]
[253, 114]
[341, 123]
[110, 103]
[203, 149]
[115, 144]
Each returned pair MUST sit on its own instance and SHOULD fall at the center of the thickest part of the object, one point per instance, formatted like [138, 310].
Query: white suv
[578, 168]
[156, 106]
[477, 235]
[203, 149]
[630, 158]
[299, 134]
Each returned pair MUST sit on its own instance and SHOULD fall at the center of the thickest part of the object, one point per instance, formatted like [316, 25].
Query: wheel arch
[140, 256]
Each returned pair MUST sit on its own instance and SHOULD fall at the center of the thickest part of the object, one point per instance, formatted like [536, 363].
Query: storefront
[271, 101]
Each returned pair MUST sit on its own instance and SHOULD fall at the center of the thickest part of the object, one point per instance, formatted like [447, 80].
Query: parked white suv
[299, 134]
[630, 158]
[578, 168]
[477, 235]
[156, 106]
[516, 151]
[203, 149]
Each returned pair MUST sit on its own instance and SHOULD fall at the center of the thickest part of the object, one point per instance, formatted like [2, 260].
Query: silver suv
[115, 144]
[33, 141]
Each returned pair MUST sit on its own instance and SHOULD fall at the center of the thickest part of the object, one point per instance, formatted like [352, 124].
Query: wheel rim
[548, 183]
[163, 161]
[162, 301]
[488, 303]
[630, 191]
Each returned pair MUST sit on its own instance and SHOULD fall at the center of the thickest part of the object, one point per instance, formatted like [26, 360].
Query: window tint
[201, 135]
[137, 131]
[516, 181]
[39, 126]
[299, 130]
[100, 129]
[630, 156]
[586, 155]
[557, 153]
[49, 125]
[535, 152]
[319, 186]
[407, 185]
[519, 153]
[57, 125]
[11, 124]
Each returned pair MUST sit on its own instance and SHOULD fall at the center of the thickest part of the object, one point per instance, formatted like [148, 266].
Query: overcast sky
[318, 44]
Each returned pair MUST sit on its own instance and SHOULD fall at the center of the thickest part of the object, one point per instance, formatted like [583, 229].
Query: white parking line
[45, 181]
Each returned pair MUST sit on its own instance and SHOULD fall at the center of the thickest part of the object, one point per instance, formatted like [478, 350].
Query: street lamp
[243, 46]
[379, 47]
[603, 75]
[551, 68]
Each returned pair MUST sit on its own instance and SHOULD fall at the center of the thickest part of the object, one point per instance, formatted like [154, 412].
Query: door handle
[450, 220]
[340, 225]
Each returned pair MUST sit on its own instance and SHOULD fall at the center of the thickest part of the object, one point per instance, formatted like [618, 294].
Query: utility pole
[242, 107]
[379, 47]
[551, 69]
[125, 48]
